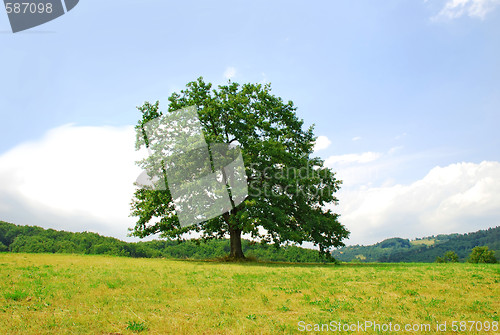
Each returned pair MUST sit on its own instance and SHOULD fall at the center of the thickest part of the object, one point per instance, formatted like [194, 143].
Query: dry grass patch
[74, 294]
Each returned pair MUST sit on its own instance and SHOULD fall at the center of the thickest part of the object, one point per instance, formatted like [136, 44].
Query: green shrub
[448, 257]
[482, 255]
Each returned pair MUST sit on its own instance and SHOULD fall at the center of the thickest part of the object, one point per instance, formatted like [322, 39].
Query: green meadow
[79, 294]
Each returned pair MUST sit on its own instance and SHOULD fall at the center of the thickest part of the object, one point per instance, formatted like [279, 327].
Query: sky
[404, 96]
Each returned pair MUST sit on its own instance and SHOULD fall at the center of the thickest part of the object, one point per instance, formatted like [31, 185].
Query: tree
[448, 257]
[482, 255]
[288, 189]
[32, 244]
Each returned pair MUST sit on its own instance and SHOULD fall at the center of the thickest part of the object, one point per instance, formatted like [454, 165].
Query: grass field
[423, 242]
[73, 294]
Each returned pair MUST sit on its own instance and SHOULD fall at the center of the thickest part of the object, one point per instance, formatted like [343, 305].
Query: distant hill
[33, 239]
[425, 249]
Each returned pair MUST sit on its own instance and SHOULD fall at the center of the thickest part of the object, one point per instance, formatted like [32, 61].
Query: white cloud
[230, 72]
[357, 138]
[358, 168]
[473, 8]
[322, 142]
[74, 178]
[81, 178]
[461, 198]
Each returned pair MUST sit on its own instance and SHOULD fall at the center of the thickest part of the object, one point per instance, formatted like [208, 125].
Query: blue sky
[402, 93]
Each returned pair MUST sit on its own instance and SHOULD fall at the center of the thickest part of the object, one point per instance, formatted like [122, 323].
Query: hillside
[32, 239]
[421, 250]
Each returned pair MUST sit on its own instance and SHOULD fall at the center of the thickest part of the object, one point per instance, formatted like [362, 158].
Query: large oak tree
[290, 190]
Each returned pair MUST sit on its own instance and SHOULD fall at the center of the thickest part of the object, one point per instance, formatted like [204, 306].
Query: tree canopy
[482, 254]
[289, 190]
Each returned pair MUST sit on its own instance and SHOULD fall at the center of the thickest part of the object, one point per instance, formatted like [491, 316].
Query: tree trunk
[235, 238]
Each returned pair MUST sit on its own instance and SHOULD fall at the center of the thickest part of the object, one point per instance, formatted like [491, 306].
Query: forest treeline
[33, 239]
[426, 249]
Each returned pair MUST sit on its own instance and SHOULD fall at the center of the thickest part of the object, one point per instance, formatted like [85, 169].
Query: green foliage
[403, 250]
[482, 255]
[16, 295]
[283, 308]
[38, 240]
[136, 326]
[448, 257]
[288, 187]
[395, 242]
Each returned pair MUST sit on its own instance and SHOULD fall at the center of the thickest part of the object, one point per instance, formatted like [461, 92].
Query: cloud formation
[322, 142]
[74, 178]
[473, 8]
[460, 197]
